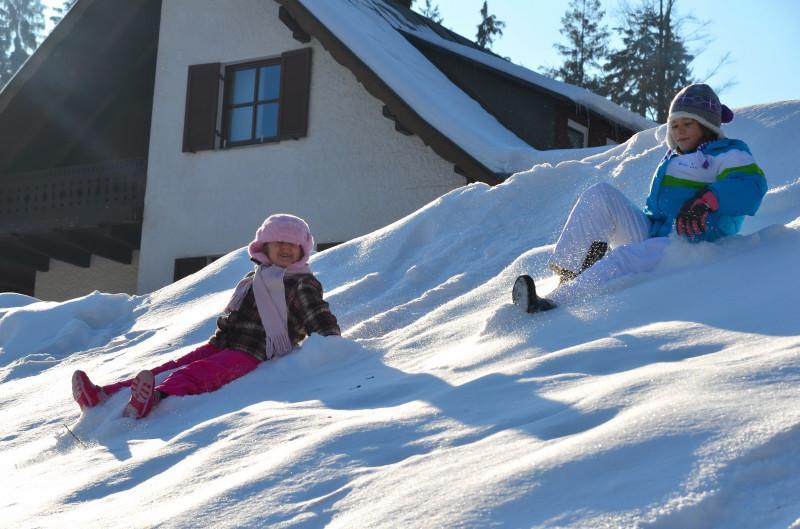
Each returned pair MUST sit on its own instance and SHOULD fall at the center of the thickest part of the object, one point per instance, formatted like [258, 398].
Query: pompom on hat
[284, 228]
[700, 103]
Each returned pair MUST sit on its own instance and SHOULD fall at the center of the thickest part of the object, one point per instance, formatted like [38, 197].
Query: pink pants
[205, 369]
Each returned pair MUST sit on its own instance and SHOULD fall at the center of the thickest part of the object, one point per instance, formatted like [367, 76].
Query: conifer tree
[21, 26]
[653, 63]
[627, 78]
[6, 41]
[489, 28]
[431, 11]
[587, 44]
[58, 12]
[672, 59]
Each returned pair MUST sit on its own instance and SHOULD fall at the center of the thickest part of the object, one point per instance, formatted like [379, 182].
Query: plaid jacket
[307, 313]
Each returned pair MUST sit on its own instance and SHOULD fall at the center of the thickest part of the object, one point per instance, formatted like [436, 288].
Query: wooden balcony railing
[81, 196]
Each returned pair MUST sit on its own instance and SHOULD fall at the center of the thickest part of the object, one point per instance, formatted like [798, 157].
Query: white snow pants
[604, 214]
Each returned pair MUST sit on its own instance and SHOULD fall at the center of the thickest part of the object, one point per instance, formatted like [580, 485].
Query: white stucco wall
[352, 174]
[64, 281]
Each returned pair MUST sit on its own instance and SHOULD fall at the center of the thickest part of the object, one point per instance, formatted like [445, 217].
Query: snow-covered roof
[581, 96]
[374, 30]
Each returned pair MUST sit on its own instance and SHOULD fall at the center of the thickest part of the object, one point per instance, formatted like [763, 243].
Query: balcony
[69, 214]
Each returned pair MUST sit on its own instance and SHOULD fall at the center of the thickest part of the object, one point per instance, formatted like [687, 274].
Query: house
[144, 139]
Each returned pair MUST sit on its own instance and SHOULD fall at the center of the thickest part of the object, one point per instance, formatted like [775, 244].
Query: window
[252, 93]
[322, 246]
[261, 101]
[187, 266]
[577, 135]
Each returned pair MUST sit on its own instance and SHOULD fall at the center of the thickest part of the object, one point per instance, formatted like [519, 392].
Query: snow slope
[670, 400]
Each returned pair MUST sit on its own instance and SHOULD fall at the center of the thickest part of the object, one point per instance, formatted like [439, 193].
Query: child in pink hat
[271, 310]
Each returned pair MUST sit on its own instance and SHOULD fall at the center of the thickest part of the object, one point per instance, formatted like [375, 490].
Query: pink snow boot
[143, 396]
[86, 394]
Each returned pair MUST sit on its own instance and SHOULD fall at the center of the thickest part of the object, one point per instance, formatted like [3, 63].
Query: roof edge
[34, 62]
[632, 121]
[472, 169]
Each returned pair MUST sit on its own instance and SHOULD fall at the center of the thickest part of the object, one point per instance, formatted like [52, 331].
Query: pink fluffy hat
[282, 227]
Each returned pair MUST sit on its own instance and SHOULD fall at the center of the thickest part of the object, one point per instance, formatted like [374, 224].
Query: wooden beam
[17, 288]
[16, 278]
[57, 248]
[25, 256]
[129, 234]
[397, 125]
[98, 243]
[297, 32]
[21, 256]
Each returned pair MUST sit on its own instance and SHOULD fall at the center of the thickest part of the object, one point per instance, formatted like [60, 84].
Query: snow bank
[669, 401]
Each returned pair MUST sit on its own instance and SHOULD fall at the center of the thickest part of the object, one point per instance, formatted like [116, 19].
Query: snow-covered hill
[670, 400]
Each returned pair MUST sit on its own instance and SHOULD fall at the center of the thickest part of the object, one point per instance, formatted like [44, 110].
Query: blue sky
[761, 36]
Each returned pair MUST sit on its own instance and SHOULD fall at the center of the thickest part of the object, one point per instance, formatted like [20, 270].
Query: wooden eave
[42, 53]
[422, 43]
[418, 42]
[405, 116]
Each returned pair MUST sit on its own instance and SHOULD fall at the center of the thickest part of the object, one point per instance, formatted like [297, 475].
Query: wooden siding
[531, 115]
[538, 116]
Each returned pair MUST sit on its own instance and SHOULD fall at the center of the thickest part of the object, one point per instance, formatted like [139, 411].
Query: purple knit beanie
[700, 103]
[284, 228]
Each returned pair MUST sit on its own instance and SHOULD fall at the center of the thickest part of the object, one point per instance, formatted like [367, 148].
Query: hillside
[668, 400]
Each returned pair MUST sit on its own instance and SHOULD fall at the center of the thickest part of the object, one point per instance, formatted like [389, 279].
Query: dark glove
[691, 219]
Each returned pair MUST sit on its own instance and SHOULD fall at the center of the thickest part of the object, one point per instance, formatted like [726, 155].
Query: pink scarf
[270, 295]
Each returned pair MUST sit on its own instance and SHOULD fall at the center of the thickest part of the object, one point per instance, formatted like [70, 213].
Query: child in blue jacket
[701, 191]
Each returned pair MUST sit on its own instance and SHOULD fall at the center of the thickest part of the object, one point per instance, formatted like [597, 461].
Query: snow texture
[670, 400]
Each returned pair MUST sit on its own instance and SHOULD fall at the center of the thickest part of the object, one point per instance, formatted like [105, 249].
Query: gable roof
[373, 39]
[62, 107]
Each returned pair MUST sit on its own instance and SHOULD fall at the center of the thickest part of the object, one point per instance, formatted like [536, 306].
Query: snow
[446, 107]
[670, 400]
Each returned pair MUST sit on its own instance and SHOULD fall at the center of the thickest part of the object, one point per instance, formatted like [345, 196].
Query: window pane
[270, 83]
[241, 124]
[575, 138]
[267, 121]
[244, 88]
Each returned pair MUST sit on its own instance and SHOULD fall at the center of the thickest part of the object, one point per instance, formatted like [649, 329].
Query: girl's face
[686, 133]
[283, 253]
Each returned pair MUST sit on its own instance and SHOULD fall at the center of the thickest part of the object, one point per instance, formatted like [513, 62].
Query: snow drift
[668, 400]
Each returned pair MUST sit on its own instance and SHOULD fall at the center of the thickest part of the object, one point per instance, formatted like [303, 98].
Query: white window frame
[583, 129]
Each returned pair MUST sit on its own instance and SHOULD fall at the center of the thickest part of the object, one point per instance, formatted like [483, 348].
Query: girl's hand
[691, 219]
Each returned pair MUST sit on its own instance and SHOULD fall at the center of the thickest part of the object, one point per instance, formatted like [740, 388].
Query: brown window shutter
[202, 100]
[295, 89]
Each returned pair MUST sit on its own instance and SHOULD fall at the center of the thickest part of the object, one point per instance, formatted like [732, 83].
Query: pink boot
[143, 396]
[86, 394]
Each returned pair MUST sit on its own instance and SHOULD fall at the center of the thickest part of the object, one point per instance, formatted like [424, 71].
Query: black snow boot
[597, 250]
[523, 295]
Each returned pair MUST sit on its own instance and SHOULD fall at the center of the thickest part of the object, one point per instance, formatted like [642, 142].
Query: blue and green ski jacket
[726, 167]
